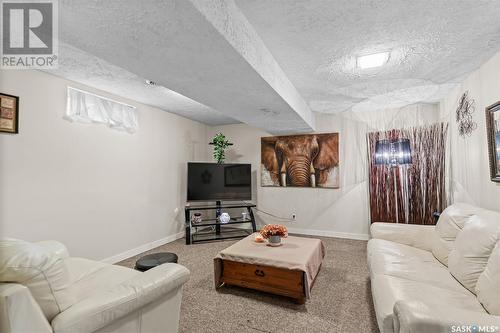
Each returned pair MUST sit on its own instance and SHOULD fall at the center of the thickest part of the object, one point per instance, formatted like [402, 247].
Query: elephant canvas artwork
[310, 160]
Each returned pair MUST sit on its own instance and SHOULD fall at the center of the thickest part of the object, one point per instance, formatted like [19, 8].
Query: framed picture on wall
[493, 129]
[304, 160]
[9, 113]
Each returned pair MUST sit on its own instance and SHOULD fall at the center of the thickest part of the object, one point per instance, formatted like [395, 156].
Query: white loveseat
[443, 278]
[43, 290]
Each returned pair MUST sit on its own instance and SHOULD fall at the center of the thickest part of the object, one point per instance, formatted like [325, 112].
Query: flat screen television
[213, 182]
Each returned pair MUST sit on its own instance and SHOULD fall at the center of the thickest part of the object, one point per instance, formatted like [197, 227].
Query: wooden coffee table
[288, 270]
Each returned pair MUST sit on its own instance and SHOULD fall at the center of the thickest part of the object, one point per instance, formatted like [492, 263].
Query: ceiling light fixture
[372, 60]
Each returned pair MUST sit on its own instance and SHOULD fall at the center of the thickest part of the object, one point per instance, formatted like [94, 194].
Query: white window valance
[86, 107]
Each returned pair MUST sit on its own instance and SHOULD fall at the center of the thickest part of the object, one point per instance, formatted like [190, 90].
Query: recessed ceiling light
[372, 60]
[150, 83]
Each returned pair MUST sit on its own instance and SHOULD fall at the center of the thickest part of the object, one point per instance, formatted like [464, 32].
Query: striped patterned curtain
[410, 193]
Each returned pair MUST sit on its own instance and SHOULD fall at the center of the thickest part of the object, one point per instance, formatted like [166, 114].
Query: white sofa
[443, 278]
[44, 290]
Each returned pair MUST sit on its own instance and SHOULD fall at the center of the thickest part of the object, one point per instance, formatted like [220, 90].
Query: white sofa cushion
[473, 247]
[403, 261]
[35, 267]
[387, 290]
[436, 317]
[55, 248]
[130, 297]
[449, 225]
[488, 285]
[88, 277]
[414, 235]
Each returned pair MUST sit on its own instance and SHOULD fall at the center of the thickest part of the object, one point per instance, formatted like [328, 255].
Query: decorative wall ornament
[310, 160]
[465, 109]
[493, 129]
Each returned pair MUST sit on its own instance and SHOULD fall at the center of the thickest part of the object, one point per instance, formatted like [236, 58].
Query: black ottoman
[155, 259]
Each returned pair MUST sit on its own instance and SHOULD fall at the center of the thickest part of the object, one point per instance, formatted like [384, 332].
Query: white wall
[470, 173]
[340, 212]
[98, 190]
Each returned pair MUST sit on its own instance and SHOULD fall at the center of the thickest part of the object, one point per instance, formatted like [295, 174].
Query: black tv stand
[213, 229]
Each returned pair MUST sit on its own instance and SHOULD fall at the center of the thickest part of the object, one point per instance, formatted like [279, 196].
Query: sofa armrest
[419, 236]
[101, 310]
[55, 247]
[412, 316]
[19, 312]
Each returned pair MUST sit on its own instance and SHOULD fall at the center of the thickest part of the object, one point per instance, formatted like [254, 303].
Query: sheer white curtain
[86, 107]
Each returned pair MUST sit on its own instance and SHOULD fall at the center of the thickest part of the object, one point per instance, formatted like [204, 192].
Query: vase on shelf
[196, 218]
[274, 240]
[224, 218]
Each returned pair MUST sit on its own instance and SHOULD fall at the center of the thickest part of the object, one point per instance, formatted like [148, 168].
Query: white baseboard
[143, 248]
[326, 233]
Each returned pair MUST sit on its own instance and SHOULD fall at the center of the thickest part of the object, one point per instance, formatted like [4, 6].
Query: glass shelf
[209, 222]
[227, 233]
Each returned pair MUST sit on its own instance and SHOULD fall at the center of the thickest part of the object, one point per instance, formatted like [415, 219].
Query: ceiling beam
[204, 50]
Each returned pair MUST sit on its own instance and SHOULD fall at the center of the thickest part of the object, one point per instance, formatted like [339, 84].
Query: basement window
[85, 107]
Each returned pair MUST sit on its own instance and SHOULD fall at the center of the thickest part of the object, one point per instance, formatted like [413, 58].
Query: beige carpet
[340, 299]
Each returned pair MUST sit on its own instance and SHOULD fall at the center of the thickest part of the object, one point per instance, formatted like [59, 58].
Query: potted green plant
[220, 144]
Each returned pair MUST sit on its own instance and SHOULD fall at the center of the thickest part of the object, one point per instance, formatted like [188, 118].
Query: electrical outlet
[294, 216]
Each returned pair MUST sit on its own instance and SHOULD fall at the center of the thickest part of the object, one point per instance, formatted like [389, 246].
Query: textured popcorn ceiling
[433, 44]
[270, 63]
[204, 50]
[82, 67]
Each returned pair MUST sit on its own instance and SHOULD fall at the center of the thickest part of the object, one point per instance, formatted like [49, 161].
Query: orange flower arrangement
[274, 230]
